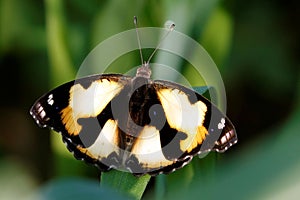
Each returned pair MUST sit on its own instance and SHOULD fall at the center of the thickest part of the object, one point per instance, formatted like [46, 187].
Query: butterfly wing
[80, 106]
[181, 124]
[206, 126]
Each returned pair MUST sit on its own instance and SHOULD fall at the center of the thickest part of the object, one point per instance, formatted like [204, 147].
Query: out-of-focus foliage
[255, 45]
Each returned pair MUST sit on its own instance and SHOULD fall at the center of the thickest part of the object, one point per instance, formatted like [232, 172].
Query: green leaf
[125, 183]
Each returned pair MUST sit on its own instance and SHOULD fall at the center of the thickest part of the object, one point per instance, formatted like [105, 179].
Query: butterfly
[136, 124]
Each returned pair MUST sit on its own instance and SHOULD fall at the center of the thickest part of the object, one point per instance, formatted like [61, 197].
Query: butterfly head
[144, 71]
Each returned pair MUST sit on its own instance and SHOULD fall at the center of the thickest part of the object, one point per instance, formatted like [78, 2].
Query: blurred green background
[255, 44]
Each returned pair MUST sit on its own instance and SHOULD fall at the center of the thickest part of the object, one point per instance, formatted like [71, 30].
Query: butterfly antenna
[170, 29]
[138, 38]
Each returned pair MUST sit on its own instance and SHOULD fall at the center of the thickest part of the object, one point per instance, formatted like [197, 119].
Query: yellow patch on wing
[88, 102]
[105, 144]
[147, 149]
[107, 141]
[184, 116]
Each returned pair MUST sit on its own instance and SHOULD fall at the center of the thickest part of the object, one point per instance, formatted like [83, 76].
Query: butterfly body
[135, 124]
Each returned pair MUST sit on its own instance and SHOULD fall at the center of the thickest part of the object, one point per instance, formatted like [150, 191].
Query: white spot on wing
[221, 125]
[227, 140]
[50, 100]
[42, 114]
[40, 109]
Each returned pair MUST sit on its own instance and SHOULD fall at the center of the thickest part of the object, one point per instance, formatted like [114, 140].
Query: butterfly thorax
[138, 103]
[134, 103]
